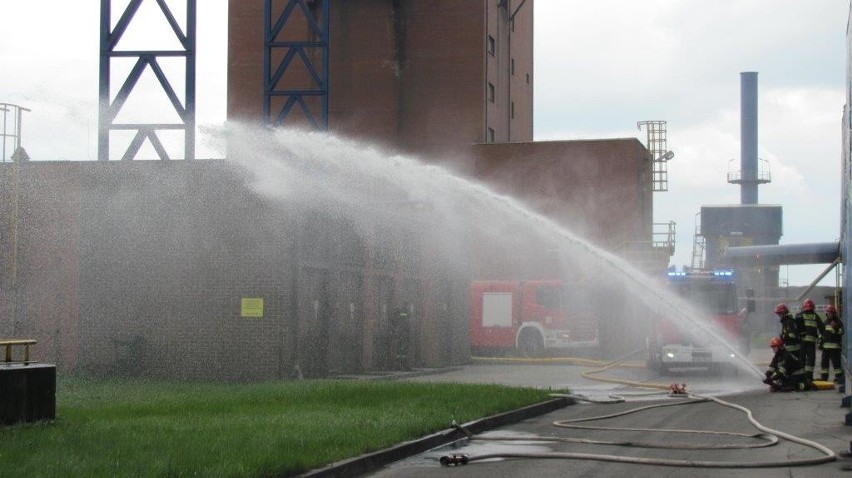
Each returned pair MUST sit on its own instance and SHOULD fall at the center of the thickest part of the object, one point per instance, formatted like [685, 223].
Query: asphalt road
[815, 416]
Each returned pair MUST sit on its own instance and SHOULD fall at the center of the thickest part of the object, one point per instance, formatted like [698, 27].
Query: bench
[11, 343]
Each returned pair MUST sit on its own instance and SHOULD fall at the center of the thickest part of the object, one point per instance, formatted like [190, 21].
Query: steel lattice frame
[108, 109]
[318, 32]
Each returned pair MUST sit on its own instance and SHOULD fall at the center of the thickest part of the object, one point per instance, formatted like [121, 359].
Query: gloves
[819, 343]
[768, 374]
[767, 380]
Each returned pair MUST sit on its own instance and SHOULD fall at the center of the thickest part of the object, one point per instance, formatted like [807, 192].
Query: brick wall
[139, 268]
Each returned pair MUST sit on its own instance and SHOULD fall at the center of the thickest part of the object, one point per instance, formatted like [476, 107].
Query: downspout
[511, 67]
[399, 64]
[484, 80]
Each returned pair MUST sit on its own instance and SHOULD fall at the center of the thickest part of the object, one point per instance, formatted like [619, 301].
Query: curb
[375, 460]
[398, 375]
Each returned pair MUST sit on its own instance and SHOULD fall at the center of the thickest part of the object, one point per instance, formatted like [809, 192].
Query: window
[548, 296]
[490, 138]
[492, 45]
[512, 67]
[512, 108]
[491, 92]
[528, 78]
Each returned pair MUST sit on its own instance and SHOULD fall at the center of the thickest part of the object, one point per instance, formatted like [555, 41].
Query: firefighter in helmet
[786, 373]
[808, 323]
[831, 335]
[789, 331]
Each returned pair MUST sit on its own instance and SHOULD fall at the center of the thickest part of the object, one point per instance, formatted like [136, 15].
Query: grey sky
[601, 67]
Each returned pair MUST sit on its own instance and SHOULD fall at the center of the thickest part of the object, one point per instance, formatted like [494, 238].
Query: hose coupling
[462, 429]
[455, 460]
[677, 389]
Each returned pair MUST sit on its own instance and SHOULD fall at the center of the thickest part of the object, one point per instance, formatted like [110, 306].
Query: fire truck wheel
[531, 343]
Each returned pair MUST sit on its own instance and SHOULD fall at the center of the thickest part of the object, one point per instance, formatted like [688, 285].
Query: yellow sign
[252, 307]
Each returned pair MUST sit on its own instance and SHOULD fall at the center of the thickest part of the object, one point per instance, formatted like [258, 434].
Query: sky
[600, 68]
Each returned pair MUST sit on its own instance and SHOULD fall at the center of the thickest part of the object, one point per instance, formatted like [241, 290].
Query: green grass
[156, 428]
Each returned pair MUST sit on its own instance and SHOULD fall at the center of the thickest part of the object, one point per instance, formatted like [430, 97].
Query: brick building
[144, 267]
[430, 77]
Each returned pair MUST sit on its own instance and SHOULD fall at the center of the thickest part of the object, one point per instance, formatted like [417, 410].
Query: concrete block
[27, 393]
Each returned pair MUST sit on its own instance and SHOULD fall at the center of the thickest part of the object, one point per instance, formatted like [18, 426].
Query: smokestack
[748, 137]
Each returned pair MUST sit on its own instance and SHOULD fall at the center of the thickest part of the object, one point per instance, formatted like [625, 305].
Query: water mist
[373, 187]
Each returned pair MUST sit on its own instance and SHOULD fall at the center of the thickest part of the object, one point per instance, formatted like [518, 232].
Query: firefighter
[789, 331]
[808, 323]
[786, 372]
[831, 334]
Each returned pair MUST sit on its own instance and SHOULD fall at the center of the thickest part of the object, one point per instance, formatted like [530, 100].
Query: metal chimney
[748, 137]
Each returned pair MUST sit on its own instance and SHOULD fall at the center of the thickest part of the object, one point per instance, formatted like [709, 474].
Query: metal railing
[8, 344]
[761, 176]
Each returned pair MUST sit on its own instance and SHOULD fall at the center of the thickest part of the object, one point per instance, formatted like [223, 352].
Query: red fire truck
[714, 294]
[529, 316]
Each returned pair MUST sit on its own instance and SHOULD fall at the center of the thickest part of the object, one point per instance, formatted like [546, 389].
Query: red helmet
[781, 309]
[830, 310]
[808, 305]
[776, 342]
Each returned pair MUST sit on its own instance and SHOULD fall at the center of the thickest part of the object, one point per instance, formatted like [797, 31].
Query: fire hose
[767, 437]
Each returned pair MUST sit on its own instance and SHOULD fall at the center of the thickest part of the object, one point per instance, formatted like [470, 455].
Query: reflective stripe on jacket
[808, 324]
[790, 333]
[785, 364]
[832, 335]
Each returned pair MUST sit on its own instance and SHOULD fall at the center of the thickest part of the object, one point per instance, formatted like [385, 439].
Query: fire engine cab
[673, 345]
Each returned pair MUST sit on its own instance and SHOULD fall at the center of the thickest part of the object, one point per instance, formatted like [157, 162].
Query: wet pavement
[815, 416]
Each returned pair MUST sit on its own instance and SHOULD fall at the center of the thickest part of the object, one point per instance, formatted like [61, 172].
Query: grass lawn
[160, 428]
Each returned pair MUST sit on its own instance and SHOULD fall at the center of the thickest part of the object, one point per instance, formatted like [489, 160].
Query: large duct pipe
[748, 137]
[786, 254]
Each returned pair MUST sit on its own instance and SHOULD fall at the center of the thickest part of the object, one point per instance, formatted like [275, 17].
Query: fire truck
[529, 317]
[714, 294]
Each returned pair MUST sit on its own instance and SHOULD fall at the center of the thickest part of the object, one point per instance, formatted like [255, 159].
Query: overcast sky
[601, 67]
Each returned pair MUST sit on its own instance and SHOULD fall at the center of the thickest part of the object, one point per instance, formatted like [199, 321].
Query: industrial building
[176, 268]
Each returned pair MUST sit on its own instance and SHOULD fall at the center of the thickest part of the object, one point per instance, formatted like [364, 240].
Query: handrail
[9, 343]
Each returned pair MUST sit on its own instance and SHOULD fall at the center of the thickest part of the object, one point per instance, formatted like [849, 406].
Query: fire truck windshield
[717, 298]
[548, 296]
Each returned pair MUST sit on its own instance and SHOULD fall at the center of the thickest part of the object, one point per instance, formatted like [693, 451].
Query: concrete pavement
[816, 416]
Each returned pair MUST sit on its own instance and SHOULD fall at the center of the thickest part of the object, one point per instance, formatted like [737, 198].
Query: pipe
[773, 255]
[818, 278]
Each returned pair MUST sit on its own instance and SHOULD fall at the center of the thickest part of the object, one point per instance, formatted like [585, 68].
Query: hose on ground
[592, 374]
[769, 437]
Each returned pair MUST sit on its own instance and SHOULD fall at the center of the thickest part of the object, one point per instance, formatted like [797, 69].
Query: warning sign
[252, 307]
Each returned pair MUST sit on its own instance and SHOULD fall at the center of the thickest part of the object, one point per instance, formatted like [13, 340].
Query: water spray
[321, 170]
